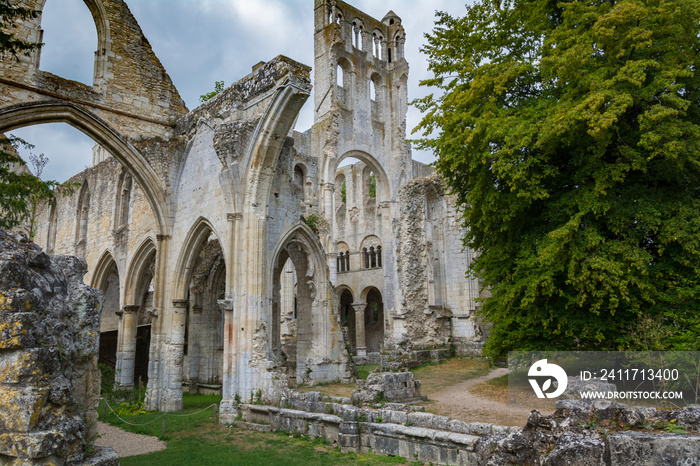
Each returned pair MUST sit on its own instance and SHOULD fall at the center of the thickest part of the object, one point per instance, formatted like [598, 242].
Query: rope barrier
[162, 416]
[125, 421]
[191, 414]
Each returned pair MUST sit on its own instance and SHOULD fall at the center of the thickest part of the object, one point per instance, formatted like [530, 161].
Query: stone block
[21, 406]
[576, 450]
[647, 449]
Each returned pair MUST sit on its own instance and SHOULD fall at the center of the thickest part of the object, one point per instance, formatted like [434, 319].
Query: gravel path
[458, 402]
[126, 443]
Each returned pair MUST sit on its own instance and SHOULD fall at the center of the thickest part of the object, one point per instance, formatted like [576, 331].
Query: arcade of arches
[235, 254]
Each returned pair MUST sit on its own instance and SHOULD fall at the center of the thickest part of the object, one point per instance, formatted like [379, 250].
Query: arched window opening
[357, 35]
[398, 45]
[343, 257]
[82, 214]
[69, 46]
[372, 185]
[375, 46]
[371, 252]
[123, 200]
[339, 76]
[344, 82]
[299, 176]
[372, 91]
[343, 191]
[389, 54]
[53, 226]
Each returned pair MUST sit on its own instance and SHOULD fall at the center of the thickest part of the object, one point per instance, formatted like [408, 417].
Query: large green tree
[570, 133]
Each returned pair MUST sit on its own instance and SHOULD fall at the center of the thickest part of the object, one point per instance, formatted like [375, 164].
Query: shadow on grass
[197, 440]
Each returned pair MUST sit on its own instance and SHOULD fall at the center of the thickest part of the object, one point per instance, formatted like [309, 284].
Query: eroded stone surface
[49, 381]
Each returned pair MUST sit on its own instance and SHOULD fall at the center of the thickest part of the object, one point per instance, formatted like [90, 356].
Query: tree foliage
[20, 190]
[9, 44]
[218, 87]
[570, 133]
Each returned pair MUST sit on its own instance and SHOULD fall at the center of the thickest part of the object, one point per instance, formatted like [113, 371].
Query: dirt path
[126, 443]
[458, 402]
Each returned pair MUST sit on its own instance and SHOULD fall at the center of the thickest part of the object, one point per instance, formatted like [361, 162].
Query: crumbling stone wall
[49, 381]
[425, 316]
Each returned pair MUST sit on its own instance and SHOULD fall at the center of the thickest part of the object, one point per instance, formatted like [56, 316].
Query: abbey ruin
[237, 255]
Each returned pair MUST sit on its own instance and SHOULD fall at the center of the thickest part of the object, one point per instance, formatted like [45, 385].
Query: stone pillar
[126, 351]
[360, 328]
[155, 352]
[193, 349]
[174, 354]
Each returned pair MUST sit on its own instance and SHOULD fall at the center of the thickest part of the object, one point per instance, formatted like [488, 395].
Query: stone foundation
[568, 437]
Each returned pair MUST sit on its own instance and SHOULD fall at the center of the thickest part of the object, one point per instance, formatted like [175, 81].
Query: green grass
[196, 440]
[363, 371]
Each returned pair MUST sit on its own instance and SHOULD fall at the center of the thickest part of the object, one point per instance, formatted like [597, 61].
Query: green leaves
[570, 133]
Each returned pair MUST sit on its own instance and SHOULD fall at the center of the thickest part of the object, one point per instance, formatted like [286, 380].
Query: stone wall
[437, 302]
[49, 381]
[578, 433]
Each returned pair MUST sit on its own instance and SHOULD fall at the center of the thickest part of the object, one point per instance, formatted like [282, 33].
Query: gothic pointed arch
[194, 243]
[318, 338]
[55, 111]
[138, 270]
[331, 165]
[102, 269]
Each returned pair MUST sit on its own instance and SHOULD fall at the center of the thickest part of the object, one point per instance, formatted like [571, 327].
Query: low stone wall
[578, 433]
[49, 381]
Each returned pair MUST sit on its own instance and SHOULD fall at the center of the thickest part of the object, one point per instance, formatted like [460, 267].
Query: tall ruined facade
[236, 254]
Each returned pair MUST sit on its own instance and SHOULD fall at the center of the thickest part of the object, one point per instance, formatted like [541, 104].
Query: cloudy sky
[203, 41]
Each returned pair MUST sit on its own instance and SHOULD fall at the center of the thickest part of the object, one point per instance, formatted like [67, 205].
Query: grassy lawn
[494, 389]
[197, 440]
[435, 377]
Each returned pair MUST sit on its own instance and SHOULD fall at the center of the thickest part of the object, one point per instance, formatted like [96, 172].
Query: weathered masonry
[236, 254]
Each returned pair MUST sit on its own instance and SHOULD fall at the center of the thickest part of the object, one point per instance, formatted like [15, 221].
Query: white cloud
[202, 41]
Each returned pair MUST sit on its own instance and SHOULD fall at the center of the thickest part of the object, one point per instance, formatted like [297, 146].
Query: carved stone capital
[180, 303]
[225, 304]
[131, 308]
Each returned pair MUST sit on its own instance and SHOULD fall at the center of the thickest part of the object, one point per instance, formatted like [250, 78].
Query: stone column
[174, 353]
[126, 353]
[155, 353]
[360, 328]
[193, 349]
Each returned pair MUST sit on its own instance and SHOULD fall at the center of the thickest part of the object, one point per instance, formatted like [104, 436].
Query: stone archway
[347, 316]
[315, 352]
[54, 111]
[370, 320]
[106, 278]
